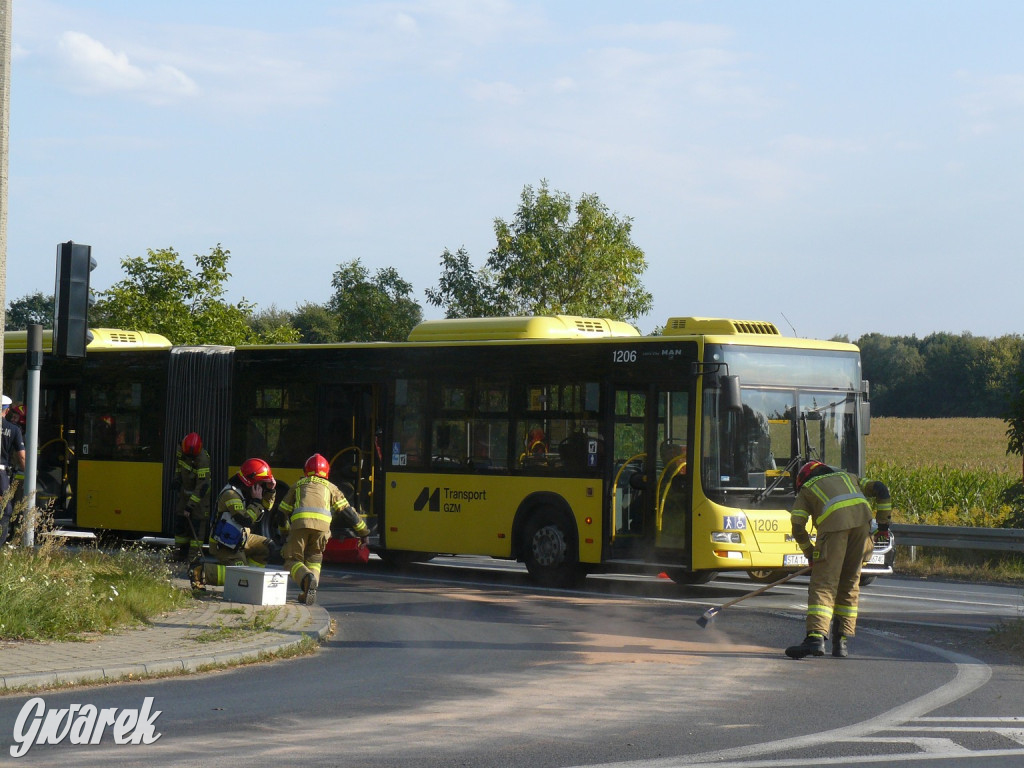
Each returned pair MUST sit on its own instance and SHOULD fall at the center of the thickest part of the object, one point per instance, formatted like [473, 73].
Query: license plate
[794, 560]
[877, 560]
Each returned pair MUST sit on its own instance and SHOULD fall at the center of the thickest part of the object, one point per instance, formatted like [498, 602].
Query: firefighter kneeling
[307, 511]
[240, 505]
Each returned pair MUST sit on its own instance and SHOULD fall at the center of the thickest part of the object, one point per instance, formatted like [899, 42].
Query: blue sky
[835, 168]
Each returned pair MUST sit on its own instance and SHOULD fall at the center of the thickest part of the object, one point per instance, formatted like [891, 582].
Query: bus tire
[866, 579]
[766, 575]
[679, 576]
[550, 551]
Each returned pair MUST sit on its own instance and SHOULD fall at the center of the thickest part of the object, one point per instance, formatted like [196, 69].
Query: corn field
[947, 471]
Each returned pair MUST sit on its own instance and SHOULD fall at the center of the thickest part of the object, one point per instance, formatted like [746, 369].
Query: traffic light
[71, 299]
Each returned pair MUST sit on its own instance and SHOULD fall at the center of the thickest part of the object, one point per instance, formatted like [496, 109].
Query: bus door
[351, 440]
[649, 492]
[56, 468]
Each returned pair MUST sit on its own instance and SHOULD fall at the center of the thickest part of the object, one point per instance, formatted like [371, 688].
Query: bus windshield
[795, 405]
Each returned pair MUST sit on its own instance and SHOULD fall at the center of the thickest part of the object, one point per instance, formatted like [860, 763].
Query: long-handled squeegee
[710, 613]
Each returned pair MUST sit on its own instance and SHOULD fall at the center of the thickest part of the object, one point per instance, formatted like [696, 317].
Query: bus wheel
[866, 579]
[766, 575]
[680, 576]
[550, 551]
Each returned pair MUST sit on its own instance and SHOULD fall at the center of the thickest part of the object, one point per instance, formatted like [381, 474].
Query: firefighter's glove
[809, 554]
[882, 535]
[256, 492]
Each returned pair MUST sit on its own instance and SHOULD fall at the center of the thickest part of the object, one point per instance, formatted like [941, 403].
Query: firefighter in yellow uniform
[840, 506]
[240, 505]
[307, 511]
[192, 510]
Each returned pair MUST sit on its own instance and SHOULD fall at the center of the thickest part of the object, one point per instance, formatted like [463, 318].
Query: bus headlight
[725, 537]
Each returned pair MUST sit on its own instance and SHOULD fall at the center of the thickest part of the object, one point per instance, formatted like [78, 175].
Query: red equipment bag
[347, 550]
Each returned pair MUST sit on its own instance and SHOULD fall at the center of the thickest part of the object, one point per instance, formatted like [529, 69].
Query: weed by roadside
[260, 621]
[51, 592]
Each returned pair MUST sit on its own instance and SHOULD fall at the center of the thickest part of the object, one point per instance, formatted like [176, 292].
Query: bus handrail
[681, 461]
[615, 484]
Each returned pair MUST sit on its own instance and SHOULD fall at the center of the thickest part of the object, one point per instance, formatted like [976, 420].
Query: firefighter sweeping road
[447, 665]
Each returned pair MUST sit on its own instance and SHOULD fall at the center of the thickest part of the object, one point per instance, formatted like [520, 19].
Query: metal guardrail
[959, 537]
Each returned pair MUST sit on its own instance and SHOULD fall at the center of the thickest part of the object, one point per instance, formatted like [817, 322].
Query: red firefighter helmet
[806, 471]
[254, 471]
[192, 445]
[317, 465]
[19, 415]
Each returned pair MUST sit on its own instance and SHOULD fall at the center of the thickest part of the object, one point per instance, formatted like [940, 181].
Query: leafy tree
[545, 262]
[316, 324]
[372, 309]
[1014, 416]
[463, 292]
[31, 309]
[274, 323]
[161, 295]
[892, 365]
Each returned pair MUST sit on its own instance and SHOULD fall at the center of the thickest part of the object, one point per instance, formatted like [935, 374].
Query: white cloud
[95, 68]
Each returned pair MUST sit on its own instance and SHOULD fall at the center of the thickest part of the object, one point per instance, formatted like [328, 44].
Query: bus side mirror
[865, 418]
[731, 398]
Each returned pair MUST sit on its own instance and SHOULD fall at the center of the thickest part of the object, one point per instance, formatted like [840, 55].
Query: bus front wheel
[550, 551]
[766, 575]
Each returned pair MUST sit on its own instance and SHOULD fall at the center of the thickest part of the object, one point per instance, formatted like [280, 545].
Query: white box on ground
[255, 586]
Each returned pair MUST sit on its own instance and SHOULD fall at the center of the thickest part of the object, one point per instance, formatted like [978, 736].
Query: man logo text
[82, 725]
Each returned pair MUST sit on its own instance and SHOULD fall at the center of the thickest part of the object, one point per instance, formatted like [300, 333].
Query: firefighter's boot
[813, 645]
[196, 574]
[839, 649]
[304, 586]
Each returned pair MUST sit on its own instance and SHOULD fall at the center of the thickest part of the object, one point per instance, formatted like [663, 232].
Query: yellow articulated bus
[571, 444]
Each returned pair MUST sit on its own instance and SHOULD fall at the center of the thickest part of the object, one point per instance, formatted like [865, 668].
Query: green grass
[53, 593]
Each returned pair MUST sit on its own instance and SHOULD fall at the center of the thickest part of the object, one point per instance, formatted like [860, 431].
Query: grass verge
[53, 593]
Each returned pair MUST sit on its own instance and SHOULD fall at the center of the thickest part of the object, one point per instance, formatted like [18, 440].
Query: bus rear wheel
[549, 549]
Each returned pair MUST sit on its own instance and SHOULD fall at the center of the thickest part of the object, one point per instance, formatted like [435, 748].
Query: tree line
[554, 256]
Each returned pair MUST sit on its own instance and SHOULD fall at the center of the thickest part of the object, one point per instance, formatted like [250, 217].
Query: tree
[463, 292]
[161, 295]
[1014, 417]
[316, 324]
[546, 263]
[377, 309]
[274, 323]
[31, 309]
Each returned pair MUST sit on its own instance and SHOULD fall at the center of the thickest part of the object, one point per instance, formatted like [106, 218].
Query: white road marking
[971, 674]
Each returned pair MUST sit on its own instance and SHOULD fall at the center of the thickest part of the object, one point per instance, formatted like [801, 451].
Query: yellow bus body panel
[120, 495]
[762, 532]
[458, 514]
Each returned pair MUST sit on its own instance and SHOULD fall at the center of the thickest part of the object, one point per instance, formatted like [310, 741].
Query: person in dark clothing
[12, 459]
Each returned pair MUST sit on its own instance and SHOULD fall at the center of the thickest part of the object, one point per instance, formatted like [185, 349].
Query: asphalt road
[453, 664]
